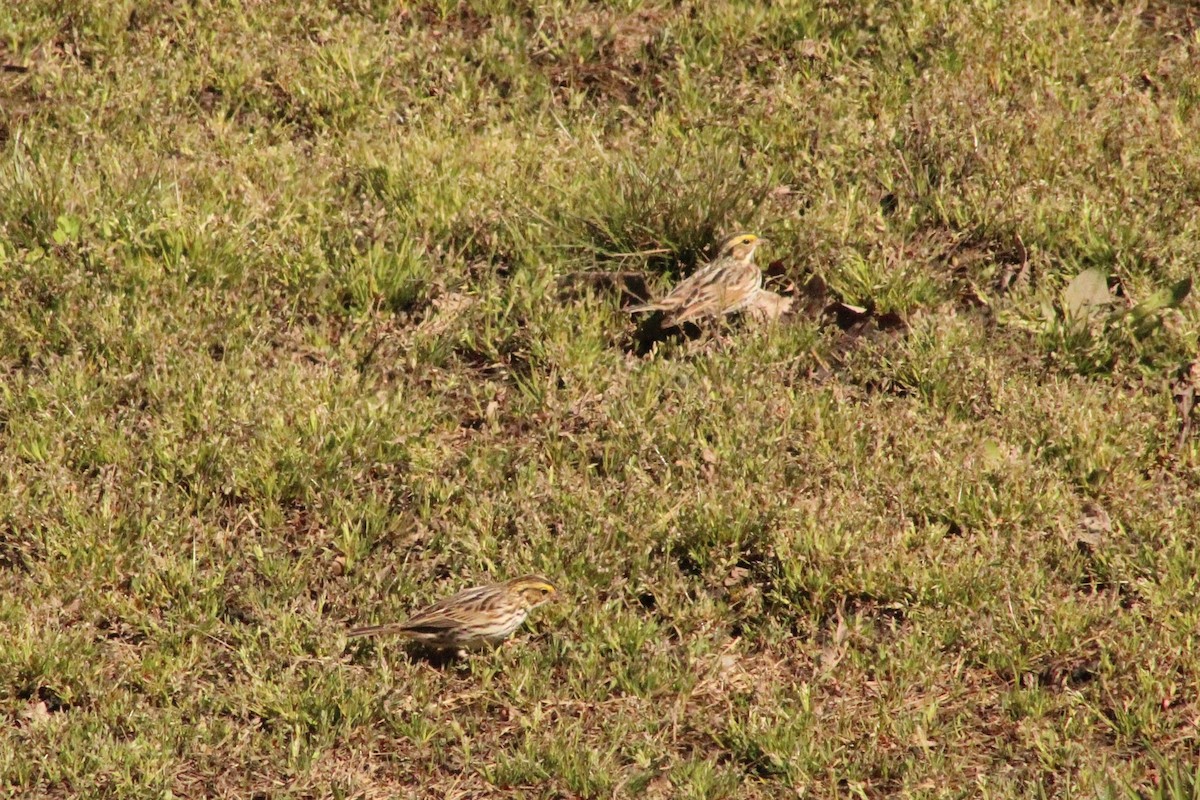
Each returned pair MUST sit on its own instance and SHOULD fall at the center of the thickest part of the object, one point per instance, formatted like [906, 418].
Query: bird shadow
[438, 659]
[414, 653]
[653, 330]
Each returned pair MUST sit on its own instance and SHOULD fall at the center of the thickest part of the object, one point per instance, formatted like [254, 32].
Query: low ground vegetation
[311, 313]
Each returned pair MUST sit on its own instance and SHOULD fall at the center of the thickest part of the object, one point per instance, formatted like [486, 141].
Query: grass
[286, 349]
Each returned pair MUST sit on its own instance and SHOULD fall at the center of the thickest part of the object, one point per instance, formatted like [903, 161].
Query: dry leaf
[1094, 527]
[768, 306]
[1085, 292]
[736, 576]
[845, 315]
[811, 48]
[36, 713]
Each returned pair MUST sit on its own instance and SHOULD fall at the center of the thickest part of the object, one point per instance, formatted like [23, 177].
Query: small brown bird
[483, 615]
[724, 285]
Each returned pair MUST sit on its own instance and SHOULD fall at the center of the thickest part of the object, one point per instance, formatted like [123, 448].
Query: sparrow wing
[681, 292]
[727, 289]
[433, 620]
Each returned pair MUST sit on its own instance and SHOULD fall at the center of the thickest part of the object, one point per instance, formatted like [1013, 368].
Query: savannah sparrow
[722, 286]
[472, 618]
